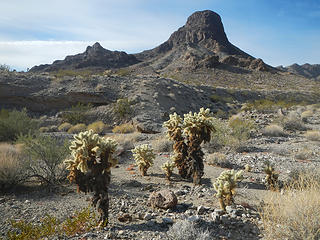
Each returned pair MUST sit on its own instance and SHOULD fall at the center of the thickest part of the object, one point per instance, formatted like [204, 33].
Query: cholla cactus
[89, 166]
[225, 186]
[168, 167]
[188, 134]
[144, 157]
[272, 177]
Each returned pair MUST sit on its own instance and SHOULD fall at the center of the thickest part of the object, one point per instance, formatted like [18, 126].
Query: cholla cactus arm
[173, 125]
[144, 157]
[199, 124]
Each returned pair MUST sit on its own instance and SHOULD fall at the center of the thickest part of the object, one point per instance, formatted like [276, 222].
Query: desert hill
[307, 70]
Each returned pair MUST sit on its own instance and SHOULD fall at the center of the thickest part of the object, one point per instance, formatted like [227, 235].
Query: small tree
[225, 186]
[90, 168]
[144, 157]
[188, 134]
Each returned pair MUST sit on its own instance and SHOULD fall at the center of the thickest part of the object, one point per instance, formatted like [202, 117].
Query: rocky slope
[95, 57]
[307, 70]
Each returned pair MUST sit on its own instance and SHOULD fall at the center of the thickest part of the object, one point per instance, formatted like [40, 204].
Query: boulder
[163, 199]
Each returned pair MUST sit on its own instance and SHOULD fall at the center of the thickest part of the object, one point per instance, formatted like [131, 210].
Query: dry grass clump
[218, 159]
[97, 127]
[162, 144]
[124, 128]
[64, 127]
[305, 115]
[44, 129]
[303, 154]
[293, 122]
[274, 130]
[11, 159]
[126, 141]
[294, 214]
[77, 128]
[312, 135]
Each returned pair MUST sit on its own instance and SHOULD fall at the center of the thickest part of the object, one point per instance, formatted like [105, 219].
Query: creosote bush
[13, 123]
[76, 114]
[188, 134]
[122, 108]
[144, 156]
[43, 158]
[218, 159]
[274, 130]
[90, 167]
[225, 185]
[312, 135]
[292, 122]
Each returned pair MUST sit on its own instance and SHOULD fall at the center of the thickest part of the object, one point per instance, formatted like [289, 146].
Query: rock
[215, 217]
[125, 218]
[27, 201]
[194, 218]
[147, 216]
[163, 199]
[201, 210]
[167, 220]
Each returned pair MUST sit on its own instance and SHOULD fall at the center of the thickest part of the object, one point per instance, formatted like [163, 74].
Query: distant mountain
[200, 44]
[306, 70]
[94, 57]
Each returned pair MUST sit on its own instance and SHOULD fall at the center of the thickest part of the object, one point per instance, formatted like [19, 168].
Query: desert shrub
[4, 67]
[50, 227]
[294, 214]
[123, 72]
[97, 127]
[313, 135]
[162, 144]
[76, 114]
[44, 156]
[274, 130]
[303, 154]
[11, 165]
[218, 159]
[240, 128]
[222, 136]
[293, 123]
[72, 73]
[44, 129]
[126, 141]
[64, 127]
[144, 156]
[187, 230]
[122, 108]
[124, 128]
[77, 128]
[267, 106]
[13, 123]
[168, 167]
[305, 115]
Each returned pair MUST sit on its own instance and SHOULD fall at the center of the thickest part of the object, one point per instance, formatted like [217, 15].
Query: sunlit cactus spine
[168, 167]
[89, 166]
[144, 156]
[272, 176]
[225, 186]
[188, 134]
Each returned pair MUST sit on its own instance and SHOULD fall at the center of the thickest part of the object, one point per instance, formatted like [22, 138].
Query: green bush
[267, 106]
[13, 123]
[44, 157]
[97, 127]
[122, 108]
[77, 128]
[76, 114]
[240, 128]
[64, 127]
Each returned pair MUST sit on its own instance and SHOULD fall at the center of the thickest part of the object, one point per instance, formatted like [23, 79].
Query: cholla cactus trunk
[195, 160]
[181, 161]
[144, 169]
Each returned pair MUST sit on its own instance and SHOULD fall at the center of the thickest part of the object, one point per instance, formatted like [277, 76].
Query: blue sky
[33, 32]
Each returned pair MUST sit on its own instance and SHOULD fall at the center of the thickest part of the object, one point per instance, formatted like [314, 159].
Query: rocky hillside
[307, 70]
[94, 57]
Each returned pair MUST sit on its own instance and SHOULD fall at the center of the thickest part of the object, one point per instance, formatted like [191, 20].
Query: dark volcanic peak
[95, 56]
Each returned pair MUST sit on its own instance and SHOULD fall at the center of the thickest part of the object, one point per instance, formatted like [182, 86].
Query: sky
[33, 32]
